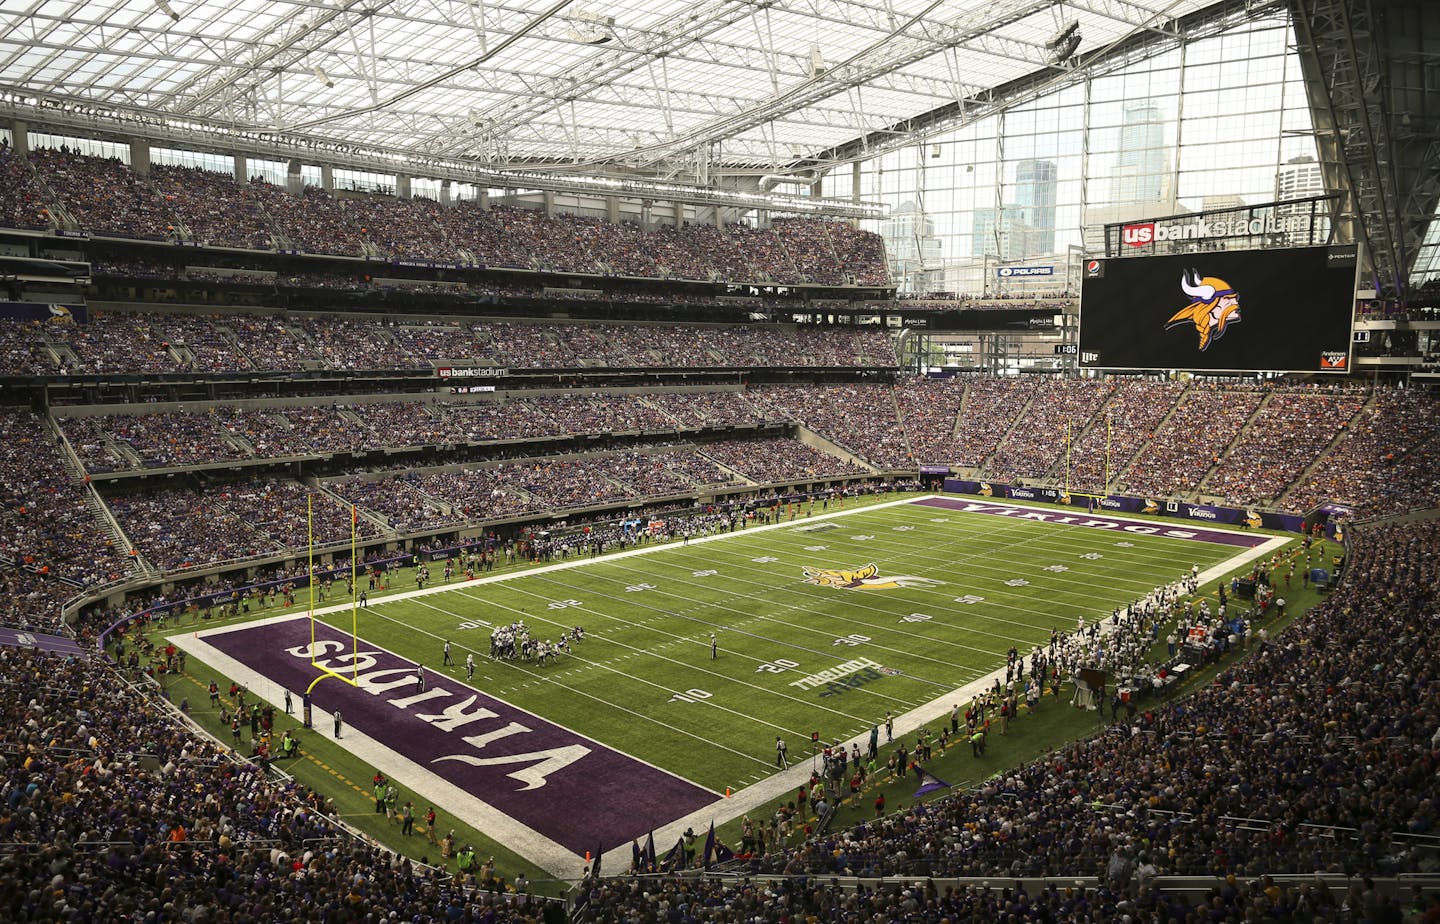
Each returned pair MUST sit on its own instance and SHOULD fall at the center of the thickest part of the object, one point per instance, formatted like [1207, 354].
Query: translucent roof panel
[624, 82]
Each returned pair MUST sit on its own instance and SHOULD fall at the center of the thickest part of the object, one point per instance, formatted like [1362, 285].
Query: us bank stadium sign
[471, 372]
[1144, 233]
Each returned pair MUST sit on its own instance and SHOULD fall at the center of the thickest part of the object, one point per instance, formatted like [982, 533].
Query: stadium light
[323, 77]
[1063, 44]
[164, 7]
[593, 28]
[1059, 39]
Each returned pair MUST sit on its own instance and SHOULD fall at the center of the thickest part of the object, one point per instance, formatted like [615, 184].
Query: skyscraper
[1035, 199]
[1142, 169]
[913, 249]
[1299, 178]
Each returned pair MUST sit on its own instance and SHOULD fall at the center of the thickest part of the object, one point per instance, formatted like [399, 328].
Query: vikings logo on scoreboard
[1214, 305]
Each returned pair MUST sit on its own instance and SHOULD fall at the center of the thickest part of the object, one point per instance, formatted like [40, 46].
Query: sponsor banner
[1008, 272]
[1144, 233]
[471, 372]
[1201, 513]
[934, 469]
[56, 644]
[1088, 520]
[1283, 310]
[41, 311]
[571, 789]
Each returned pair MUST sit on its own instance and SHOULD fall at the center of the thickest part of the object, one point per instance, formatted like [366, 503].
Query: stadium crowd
[48, 526]
[1192, 441]
[1291, 447]
[1385, 463]
[1124, 425]
[1288, 431]
[1224, 782]
[1057, 412]
[134, 343]
[105, 196]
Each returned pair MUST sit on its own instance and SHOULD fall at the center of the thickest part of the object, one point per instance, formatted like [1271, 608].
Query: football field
[820, 624]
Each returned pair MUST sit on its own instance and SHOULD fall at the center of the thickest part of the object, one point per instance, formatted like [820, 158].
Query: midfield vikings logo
[866, 578]
[1213, 306]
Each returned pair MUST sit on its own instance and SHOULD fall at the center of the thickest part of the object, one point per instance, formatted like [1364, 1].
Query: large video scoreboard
[1245, 311]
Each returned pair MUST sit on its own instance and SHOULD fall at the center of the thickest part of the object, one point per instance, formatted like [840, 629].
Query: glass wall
[271, 171]
[91, 146]
[216, 163]
[1207, 125]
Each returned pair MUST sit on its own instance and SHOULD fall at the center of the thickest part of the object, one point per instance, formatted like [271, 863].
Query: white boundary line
[556, 858]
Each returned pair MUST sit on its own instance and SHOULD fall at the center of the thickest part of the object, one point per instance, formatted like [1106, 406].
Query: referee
[781, 760]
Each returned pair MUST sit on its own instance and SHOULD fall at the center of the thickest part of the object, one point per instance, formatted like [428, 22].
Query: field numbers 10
[690, 696]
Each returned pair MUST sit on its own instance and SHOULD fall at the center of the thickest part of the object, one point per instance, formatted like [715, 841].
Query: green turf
[648, 619]
[649, 644]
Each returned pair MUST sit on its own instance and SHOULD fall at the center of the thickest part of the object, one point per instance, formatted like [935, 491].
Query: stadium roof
[593, 84]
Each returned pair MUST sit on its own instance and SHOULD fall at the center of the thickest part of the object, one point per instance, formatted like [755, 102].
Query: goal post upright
[310, 558]
[323, 672]
[354, 609]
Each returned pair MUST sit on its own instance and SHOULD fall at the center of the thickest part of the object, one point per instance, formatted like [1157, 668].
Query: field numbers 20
[564, 604]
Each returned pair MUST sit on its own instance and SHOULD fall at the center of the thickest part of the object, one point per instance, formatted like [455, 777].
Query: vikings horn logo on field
[866, 578]
[1213, 306]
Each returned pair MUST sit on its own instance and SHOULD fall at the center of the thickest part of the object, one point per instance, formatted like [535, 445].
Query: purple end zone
[1101, 521]
[573, 790]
